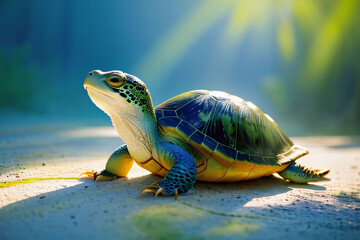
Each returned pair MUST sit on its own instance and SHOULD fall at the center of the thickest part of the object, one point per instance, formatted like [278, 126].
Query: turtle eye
[115, 81]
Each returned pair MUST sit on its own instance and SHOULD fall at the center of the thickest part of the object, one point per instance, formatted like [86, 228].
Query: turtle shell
[217, 123]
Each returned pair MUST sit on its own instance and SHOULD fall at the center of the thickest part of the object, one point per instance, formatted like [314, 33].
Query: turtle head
[118, 92]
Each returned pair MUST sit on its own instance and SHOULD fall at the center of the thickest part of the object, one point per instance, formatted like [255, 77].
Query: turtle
[202, 135]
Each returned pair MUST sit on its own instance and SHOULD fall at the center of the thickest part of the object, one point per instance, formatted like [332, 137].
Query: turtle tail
[300, 174]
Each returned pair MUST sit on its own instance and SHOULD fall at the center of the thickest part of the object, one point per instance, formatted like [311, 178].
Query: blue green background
[298, 61]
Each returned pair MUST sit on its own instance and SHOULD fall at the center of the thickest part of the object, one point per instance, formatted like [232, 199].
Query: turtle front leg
[181, 176]
[118, 165]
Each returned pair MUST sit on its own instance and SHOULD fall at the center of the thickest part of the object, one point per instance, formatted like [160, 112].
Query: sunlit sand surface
[51, 201]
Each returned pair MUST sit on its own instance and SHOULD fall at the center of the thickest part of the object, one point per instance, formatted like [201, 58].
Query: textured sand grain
[268, 208]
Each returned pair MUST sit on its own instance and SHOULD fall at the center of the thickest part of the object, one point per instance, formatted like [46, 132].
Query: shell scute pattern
[186, 128]
[225, 126]
[271, 161]
[169, 113]
[169, 122]
[210, 143]
[197, 137]
[177, 102]
[197, 112]
[257, 160]
[243, 157]
[159, 114]
[227, 151]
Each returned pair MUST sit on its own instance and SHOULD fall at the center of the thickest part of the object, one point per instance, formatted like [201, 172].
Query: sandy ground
[48, 207]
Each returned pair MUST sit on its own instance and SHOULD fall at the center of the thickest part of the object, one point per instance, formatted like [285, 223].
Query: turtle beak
[95, 81]
[93, 78]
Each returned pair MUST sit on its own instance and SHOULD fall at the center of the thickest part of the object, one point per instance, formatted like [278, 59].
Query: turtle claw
[87, 174]
[157, 190]
[176, 193]
[146, 189]
[98, 176]
[154, 188]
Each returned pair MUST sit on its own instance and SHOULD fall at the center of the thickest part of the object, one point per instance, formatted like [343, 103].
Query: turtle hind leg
[299, 174]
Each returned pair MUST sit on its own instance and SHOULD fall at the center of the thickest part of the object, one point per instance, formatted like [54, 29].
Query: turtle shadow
[125, 188]
[257, 188]
[89, 206]
[247, 190]
[249, 199]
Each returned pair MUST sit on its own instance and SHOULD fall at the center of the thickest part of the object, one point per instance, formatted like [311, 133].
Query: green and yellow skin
[199, 135]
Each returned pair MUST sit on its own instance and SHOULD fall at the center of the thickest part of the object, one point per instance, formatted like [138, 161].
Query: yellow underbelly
[219, 168]
[215, 167]
[213, 171]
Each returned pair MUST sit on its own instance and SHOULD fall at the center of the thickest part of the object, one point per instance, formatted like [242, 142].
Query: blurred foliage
[324, 74]
[317, 78]
[18, 79]
[23, 86]
[298, 60]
